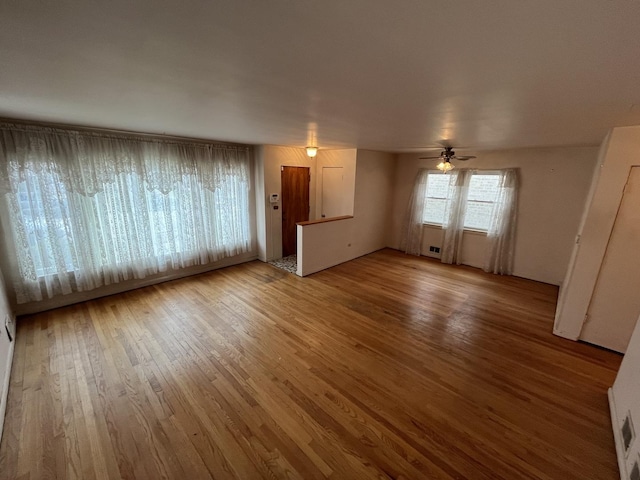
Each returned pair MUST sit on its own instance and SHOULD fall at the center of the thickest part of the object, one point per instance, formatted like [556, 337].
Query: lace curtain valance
[87, 161]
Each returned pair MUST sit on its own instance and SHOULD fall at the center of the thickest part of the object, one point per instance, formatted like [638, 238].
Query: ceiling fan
[445, 158]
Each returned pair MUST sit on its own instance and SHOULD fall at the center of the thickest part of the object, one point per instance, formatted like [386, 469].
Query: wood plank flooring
[389, 366]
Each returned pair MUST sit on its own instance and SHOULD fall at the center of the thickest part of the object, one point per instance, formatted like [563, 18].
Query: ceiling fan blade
[464, 158]
[429, 158]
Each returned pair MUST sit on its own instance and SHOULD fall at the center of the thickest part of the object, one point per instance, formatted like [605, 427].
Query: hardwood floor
[389, 366]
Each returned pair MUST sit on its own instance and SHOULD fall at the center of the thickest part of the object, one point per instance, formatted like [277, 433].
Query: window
[483, 190]
[436, 201]
[164, 223]
[87, 210]
[41, 219]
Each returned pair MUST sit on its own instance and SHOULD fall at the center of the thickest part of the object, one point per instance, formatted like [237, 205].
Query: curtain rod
[5, 121]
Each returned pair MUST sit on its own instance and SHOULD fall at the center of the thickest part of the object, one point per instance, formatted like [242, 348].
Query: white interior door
[615, 304]
[332, 192]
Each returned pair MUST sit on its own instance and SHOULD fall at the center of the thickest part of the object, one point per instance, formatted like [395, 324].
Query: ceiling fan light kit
[445, 159]
[445, 165]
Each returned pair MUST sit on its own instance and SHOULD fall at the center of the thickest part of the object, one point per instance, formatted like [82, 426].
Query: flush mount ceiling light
[312, 151]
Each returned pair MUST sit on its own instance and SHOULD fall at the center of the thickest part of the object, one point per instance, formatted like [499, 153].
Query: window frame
[430, 172]
[466, 229]
[482, 172]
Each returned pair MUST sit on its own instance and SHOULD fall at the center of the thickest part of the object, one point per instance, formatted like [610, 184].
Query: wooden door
[295, 204]
[615, 303]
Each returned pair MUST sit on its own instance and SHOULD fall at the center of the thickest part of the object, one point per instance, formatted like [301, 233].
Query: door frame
[588, 318]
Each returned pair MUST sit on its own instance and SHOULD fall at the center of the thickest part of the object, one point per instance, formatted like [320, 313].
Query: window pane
[434, 210]
[483, 188]
[478, 215]
[437, 185]
[436, 197]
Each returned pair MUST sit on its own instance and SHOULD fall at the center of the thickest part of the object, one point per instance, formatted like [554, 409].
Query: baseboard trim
[116, 288]
[563, 334]
[622, 466]
[5, 387]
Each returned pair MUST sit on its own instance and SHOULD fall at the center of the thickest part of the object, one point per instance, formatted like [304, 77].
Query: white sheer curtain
[502, 229]
[455, 210]
[411, 238]
[88, 209]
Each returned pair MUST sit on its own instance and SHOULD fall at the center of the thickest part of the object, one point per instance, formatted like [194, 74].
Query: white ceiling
[394, 76]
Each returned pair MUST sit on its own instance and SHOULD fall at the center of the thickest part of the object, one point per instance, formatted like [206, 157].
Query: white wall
[269, 159]
[324, 245]
[553, 187]
[474, 245]
[262, 202]
[621, 151]
[6, 351]
[623, 398]
[345, 158]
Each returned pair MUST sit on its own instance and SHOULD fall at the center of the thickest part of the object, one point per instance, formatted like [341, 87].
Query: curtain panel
[455, 210]
[411, 236]
[502, 222]
[502, 229]
[86, 209]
